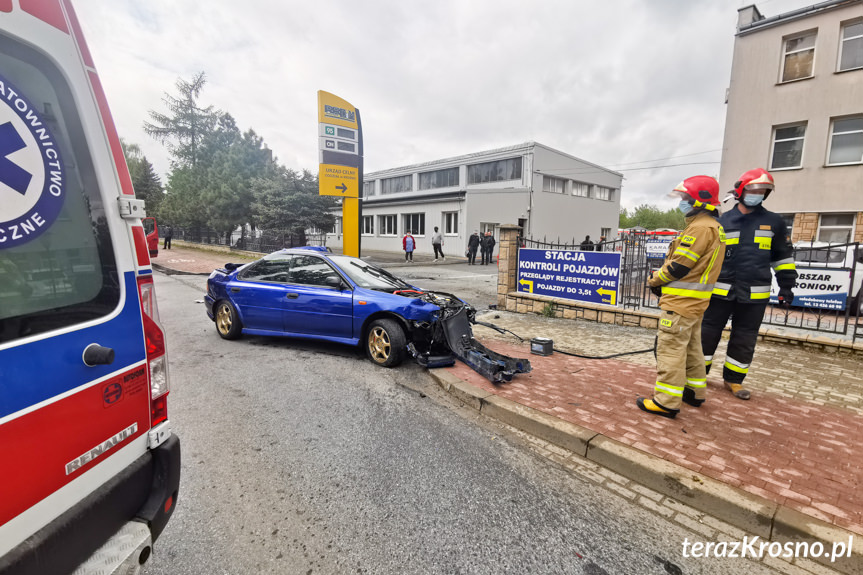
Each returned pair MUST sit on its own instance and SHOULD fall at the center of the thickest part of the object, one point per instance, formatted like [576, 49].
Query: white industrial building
[548, 193]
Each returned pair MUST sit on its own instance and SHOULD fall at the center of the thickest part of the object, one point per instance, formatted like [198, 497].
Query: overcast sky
[614, 82]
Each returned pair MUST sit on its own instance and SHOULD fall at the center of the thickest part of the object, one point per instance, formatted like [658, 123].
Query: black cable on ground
[602, 356]
[521, 339]
[499, 329]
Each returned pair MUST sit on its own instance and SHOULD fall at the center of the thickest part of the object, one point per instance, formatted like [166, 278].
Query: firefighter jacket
[754, 243]
[691, 266]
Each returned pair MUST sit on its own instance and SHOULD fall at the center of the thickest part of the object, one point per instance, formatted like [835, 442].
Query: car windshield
[367, 275]
[820, 256]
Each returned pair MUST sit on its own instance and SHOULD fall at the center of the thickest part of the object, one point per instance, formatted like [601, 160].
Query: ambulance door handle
[96, 354]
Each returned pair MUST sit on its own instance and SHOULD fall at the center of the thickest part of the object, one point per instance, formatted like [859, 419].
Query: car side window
[312, 271]
[268, 270]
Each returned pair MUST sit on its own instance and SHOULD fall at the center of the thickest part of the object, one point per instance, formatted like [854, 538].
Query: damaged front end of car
[438, 342]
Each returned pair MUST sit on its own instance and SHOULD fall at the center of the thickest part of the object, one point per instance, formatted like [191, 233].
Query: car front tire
[227, 321]
[386, 343]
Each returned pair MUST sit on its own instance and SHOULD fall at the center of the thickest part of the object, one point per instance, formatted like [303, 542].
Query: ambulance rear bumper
[139, 493]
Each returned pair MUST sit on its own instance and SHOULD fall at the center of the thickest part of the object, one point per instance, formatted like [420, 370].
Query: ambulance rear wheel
[227, 321]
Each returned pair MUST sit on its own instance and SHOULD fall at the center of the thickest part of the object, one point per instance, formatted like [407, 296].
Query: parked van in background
[151, 232]
[844, 260]
[90, 467]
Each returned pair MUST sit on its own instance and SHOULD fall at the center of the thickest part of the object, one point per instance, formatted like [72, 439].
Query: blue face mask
[684, 206]
[753, 200]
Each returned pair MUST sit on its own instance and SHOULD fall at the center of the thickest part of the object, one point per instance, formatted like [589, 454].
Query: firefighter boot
[737, 390]
[689, 397]
[650, 406]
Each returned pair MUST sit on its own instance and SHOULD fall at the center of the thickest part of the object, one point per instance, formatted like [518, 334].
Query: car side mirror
[334, 282]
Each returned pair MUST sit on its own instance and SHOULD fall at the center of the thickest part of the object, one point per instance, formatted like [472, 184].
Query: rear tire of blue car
[386, 343]
[227, 321]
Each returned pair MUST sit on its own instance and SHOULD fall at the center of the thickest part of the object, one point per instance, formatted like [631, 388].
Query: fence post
[507, 262]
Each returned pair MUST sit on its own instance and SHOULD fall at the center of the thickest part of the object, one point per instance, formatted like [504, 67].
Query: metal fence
[637, 262]
[264, 241]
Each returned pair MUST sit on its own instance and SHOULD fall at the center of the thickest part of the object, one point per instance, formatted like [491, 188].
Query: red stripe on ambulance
[47, 448]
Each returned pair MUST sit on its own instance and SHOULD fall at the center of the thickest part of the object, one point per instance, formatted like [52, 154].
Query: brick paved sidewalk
[805, 456]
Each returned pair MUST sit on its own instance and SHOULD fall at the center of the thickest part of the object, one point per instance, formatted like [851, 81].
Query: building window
[603, 193]
[789, 223]
[396, 185]
[788, 147]
[387, 225]
[494, 171]
[368, 189]
[487, 227]
[846, 142]
[580, 189]
[450, 223]
[799, 57]
[415, 224]
[368, 225]
[851, 51]
[835, 228]
[439, 179]
[337, 226]
[554, 185]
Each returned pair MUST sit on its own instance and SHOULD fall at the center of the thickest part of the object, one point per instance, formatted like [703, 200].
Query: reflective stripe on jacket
[700, 248]
[755, 243]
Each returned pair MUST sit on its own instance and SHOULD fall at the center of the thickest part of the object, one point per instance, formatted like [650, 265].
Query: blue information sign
[575, 275]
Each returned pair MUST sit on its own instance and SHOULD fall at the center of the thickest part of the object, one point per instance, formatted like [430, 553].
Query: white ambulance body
[87, 458]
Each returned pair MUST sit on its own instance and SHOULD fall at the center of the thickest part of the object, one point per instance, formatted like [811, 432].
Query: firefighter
[756, 240]
[685, 282]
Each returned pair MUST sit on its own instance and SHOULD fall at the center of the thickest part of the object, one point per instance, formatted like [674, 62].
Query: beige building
[795, 107]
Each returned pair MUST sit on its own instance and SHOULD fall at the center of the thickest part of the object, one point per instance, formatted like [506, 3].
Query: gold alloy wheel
[379, 344]
[224, 320]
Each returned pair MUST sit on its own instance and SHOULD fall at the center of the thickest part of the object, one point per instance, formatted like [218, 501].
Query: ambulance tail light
[157, 358]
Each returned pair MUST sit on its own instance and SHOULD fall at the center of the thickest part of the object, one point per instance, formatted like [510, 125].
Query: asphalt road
[305, 458]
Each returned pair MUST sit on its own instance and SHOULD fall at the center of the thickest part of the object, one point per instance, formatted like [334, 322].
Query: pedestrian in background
[600, 245]
[472, 245]
[587, 245]
[488, 243]
[169, 234]
[685, 282]
[437, 244]
[408, 245]
[756, 240]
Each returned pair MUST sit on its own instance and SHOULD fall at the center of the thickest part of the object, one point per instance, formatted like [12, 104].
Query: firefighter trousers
[745, 321]
[679, 361]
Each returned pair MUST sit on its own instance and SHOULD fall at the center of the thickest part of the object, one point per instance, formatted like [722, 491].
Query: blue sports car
[319, 295]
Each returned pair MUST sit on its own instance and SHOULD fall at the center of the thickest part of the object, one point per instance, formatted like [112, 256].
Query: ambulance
[89, 466]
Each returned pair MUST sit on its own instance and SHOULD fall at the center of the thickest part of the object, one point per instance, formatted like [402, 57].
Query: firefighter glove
[786, 296]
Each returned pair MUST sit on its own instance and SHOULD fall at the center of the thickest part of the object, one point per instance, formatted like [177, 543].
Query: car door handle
[293, 295]
[235, 290]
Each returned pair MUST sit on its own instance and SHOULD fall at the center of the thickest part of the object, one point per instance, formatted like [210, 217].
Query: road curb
[754, 514]
[172, 272]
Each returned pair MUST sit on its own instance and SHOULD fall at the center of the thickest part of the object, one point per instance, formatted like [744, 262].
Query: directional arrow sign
[341, 181]
[609, 292]
[527, 283]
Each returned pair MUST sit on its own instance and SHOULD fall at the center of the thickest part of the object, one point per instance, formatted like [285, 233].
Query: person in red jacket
[408, 245]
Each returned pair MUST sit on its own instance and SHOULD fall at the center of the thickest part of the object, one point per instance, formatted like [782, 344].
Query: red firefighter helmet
[702, 190]
[757, 179]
